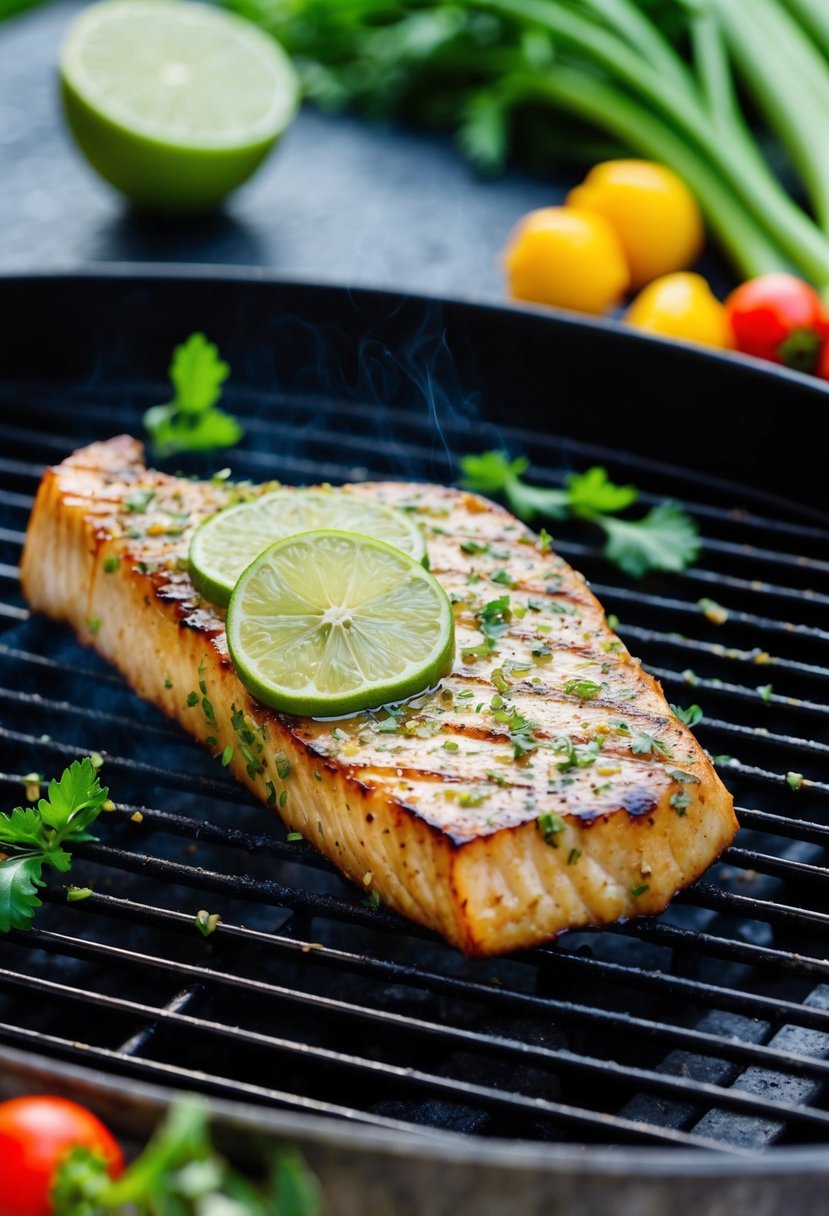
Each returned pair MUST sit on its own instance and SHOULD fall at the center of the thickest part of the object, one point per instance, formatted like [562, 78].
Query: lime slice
[174, 102]
[225, 543]
[326, 623]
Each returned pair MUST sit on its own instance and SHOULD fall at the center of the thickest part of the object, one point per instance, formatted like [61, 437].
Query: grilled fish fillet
[545, 784]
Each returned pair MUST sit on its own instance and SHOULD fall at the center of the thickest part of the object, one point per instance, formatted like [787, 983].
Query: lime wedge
[326, 623]
[174, 102]
[225, 543]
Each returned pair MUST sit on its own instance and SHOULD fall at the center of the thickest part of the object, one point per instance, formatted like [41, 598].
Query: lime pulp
[174, 102]
[327, 623]
[226, 543]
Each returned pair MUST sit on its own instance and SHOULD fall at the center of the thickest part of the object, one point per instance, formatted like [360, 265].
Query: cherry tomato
[778, 317]
[655, 216]
[566, 258]
[36, 1133]
[681, 305]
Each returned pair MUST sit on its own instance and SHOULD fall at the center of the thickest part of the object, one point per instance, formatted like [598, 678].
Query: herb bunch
[180, 1173]
[663, 539]
[38, 836]
[191, 421]
[729, 94]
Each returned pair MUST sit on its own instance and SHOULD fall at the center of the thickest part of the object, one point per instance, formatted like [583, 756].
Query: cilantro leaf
[34, 837]
[594, 491]
[197, 374]
[192, 422]
[73, 801]
[19, 879]
[665, 539]
[23, 828]
[490, 471]
[494, 472]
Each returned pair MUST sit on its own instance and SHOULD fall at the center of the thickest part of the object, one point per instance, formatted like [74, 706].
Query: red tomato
[36, 1133]
[778, 317]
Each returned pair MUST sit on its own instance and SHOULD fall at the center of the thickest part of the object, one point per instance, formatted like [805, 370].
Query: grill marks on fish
[544, 785]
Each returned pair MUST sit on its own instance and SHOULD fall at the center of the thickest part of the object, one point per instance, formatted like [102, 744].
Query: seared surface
[544, 785]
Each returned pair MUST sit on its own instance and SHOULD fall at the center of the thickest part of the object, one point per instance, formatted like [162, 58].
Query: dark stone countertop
[341, 200]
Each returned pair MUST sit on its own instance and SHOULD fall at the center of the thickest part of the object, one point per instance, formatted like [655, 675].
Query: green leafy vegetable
[191, 421]
[35, 837]
[180, 1173]
[663, 539]
[728, 94]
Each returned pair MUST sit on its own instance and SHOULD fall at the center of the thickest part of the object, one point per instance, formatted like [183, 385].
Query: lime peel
[327, 623]
[174, 102]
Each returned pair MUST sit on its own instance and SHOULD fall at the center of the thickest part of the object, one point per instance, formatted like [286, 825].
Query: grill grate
[706, 1028]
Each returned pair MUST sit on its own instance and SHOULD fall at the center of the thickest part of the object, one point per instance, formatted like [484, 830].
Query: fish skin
[569, 794]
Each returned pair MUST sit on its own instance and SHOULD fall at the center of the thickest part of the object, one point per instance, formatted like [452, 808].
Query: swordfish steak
[544, 785]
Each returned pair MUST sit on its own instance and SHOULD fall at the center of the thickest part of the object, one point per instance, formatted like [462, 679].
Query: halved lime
[326, 623]
[174, 102]
[225, 543]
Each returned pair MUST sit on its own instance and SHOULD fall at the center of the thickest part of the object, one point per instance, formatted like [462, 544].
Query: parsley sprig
[191, 421]
[664, 539]
[34, 837]
[180, 1173]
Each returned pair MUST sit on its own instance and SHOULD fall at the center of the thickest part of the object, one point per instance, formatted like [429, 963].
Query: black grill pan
[596, 1073]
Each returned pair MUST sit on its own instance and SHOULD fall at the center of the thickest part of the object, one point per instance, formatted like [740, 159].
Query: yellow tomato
[567, 258]
[654, 214]
[681, 305]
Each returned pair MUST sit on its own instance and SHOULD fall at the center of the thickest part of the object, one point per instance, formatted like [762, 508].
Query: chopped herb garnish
[576, 755]
[472, 797]
[690, 716]
[765, 691]
[521, 732]
[503, 577]
[294, 836]
[138, 501]
[573, 856]
[585, 690]
[283, 765]
[550, 825]
[110, 563]
[227, 755]
[680, 802]
[94, 624]
[794, 780]
[206, 922]
[643, 744]
[712, 611]
[76, 895]
[637, 891]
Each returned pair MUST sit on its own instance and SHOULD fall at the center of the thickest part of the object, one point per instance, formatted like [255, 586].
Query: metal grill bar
[652, 994]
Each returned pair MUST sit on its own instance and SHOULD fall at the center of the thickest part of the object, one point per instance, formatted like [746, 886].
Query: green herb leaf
[197, 374]
[192, 422]
[665, 539]
[19, 879]
[594, 492]
[690, 716]
[34, 837]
